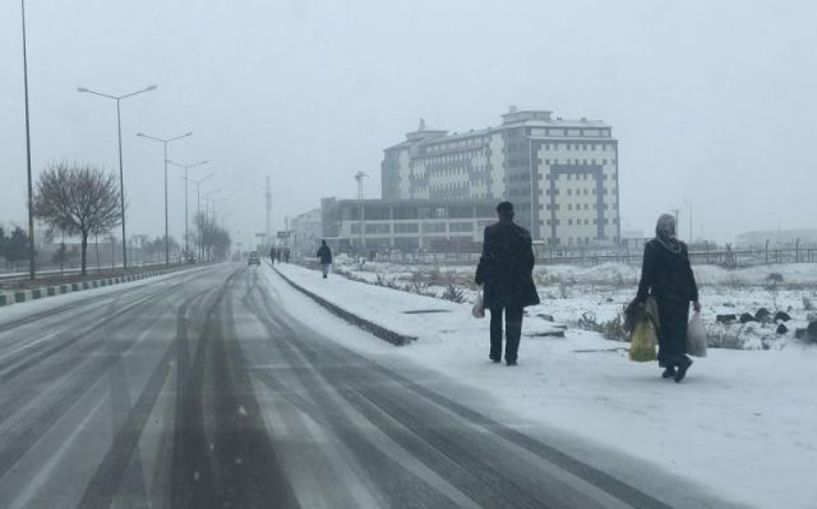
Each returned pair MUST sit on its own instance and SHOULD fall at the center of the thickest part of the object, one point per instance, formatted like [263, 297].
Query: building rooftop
[514, 118]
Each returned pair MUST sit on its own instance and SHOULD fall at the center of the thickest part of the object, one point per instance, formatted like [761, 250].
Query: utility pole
[268, 196]
[31, 263]
[676, 211]
[359, 176]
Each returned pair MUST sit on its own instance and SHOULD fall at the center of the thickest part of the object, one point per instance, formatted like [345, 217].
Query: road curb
[381, 332]
[17, 296]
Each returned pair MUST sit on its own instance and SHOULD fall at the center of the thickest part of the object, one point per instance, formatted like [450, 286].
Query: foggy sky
[714, 102]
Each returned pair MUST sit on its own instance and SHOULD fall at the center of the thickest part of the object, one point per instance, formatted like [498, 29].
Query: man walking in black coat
[325, 256]
[505, 271]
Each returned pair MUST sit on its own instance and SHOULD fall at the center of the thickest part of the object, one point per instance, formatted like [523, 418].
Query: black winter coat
[505, 267]
[325, 255]
[668, 277]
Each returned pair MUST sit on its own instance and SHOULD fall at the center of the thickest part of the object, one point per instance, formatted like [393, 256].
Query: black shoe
[495, 360]
[511, 363]
[682, 370]
[668, 373]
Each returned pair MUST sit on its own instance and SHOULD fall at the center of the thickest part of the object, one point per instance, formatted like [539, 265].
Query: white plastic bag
[696, 336]
[478, 311]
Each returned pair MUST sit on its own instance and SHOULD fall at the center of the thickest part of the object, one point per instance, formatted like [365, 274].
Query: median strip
[8, 298]
[379, 331]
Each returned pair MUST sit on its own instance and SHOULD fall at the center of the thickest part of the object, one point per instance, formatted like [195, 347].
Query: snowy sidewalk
[743, 424]
[406, 314]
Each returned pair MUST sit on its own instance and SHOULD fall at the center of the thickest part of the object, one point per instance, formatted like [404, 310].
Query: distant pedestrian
[325, 257]
[667, 275]
[272, 255]
[286, 255]
[505, 271]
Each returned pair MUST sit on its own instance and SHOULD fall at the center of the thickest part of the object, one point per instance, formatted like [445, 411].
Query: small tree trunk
[84, 251]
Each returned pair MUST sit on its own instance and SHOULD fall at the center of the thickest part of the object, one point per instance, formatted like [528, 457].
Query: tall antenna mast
[359, 176]
[268, 196]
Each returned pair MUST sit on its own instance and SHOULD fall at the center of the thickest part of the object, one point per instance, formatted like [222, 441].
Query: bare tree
[79, 199]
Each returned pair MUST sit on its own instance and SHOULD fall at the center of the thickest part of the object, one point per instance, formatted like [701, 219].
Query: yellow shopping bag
[643, 341]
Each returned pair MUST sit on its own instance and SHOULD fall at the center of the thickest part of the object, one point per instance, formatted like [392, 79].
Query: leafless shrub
[386, 282]
[417, 284]
[454, 294]
[588, 321]
[614, 329]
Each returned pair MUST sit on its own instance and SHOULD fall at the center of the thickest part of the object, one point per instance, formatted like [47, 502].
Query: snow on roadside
[742, 424]
[28, 307]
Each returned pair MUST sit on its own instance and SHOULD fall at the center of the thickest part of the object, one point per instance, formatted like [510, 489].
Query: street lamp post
[186, 179]
[118, 98]
[164, 142]
[689, 203]
[198, 207]
[207, 202]
[31, 265]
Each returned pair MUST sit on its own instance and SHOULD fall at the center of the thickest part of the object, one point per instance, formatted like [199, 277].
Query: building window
[570, 222]
[461, 227]
[406, 228]
[378, 228]
[433, 227]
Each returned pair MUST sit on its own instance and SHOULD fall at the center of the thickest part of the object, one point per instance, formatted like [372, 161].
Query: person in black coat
[505, 271]
[325, 257]
[667, 275]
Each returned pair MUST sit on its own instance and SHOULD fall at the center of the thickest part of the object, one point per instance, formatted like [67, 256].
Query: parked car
[253, 259]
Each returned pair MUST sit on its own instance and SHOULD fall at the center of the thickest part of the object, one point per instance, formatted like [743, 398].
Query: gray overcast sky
[712, 101]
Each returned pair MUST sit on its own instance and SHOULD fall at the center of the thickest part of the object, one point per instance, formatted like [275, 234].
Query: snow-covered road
[226, 388]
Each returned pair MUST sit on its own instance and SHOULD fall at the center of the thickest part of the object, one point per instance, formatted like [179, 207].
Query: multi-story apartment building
[561, 175]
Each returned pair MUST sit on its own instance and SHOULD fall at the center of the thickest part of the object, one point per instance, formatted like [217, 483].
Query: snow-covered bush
[454, 294]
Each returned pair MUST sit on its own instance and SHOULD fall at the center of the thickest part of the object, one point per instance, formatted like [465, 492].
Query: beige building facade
[561, 175]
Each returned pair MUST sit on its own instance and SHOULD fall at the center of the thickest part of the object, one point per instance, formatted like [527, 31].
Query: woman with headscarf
[667, 275]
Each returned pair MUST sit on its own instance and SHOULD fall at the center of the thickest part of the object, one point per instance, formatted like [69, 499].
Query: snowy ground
[599, 293]
[743, 422]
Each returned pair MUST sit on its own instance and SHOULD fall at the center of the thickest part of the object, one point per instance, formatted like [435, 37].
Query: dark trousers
[513, 331]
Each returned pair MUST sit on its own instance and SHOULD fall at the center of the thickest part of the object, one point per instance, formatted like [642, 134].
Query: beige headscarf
[665, 233]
